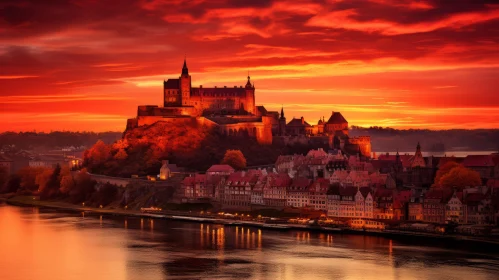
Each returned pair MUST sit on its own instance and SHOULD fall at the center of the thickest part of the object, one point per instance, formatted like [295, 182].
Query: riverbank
[24, 201]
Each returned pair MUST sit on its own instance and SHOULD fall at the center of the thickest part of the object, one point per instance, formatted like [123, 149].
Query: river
[44, 244]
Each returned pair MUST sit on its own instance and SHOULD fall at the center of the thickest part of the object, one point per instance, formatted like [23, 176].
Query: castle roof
[298, 122]
[172, 84]
[218, 91]
[336, 118]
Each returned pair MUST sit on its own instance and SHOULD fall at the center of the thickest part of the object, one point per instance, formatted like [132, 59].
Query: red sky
[87, 64]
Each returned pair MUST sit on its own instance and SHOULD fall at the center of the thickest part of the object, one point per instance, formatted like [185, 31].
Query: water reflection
[65, 246]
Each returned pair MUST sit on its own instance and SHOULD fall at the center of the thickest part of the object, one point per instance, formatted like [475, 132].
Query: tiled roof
[478, 161]
[172, 84]
[348, 191]
[220, 168]
[262, 110]
[218, 91]
[300, 183]
[336, 118]
[365, 191]
[297, 122]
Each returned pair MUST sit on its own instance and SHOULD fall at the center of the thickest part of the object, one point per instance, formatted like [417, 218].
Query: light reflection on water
[45, 245]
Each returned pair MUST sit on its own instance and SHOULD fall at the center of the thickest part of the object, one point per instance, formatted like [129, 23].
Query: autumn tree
[28, 177]
[67, 182]
[97, 155]
[445, 169]
[42, 178]
[121, 155]
[12, 184]
[53, 184]
[234, 158]
[83, 188]
[460, 177]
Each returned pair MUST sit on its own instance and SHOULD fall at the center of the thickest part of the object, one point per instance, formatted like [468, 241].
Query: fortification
[232, 111]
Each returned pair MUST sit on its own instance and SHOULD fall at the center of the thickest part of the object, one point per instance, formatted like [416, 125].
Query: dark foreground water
[47, 245]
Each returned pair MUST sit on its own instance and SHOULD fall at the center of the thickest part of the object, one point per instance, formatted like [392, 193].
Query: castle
[233, 112]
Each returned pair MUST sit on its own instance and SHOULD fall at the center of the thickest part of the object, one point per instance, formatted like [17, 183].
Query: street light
[83, 204]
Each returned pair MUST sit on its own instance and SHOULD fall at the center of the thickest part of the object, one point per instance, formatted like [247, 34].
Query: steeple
[282, 112]
[185, 70]
[248, 84]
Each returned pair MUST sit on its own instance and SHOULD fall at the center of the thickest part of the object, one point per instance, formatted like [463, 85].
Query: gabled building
[298, 193]
[455, 210]
[318, 194]
[238, 190]
[483, 164]
[434, 206]
[275, 190]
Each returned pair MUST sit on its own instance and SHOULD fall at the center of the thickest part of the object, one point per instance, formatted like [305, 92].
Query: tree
[84, 187]
[98, 154]
[460, 177]
[234, 158]
[53, 184]
[12, 184]
[445, 169]
[28, 177]
[4, 176]
[42, 178]
[121, 155]
[67, 183]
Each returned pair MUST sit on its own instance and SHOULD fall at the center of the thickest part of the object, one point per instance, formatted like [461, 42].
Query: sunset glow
[87, 64]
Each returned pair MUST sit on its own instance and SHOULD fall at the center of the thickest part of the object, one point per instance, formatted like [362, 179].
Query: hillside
[187, 144]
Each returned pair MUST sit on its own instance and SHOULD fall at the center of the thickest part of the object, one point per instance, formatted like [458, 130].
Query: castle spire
[282, 112]
[185, 70]
[248, 84]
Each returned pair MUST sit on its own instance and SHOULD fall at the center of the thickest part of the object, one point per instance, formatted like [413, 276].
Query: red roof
[336, 118]
[172, 84]
[348, 191]
[300, 183]
[474, 197]
[280, 180]
[220, 168]
[242, 178]
[478, 161]
[437, 194]
[298, 122]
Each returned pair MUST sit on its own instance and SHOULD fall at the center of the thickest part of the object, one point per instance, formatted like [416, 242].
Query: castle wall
[364, 143]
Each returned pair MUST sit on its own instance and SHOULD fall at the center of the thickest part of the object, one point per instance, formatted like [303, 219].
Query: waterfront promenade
[214, 219]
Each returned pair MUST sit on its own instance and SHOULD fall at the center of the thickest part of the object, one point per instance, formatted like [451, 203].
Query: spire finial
[185, 70]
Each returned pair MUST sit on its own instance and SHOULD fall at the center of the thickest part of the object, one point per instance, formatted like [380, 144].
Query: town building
[298, 193]
[220, 169]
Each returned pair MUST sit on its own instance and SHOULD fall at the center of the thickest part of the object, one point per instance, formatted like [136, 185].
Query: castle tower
[185, 85]
[250, 97]
[282, 123]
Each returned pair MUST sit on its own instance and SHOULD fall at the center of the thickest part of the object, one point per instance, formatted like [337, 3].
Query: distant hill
[389, 139]
[56, 139]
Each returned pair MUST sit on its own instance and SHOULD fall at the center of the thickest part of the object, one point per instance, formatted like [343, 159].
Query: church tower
[250, 97]
[282, 123]
[418, 160]
[185, 85]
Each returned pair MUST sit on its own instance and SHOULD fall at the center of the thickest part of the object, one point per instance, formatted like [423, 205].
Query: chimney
[201, 86]
[302, 120]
